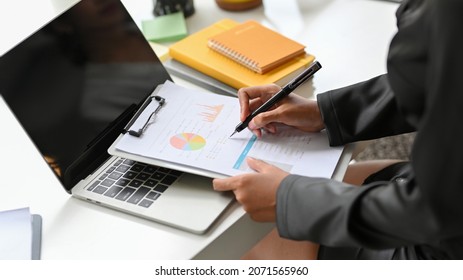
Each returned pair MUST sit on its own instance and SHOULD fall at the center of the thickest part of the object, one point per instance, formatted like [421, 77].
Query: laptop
[73, 85]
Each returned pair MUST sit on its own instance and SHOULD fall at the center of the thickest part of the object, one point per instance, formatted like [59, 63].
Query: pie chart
[187, 141]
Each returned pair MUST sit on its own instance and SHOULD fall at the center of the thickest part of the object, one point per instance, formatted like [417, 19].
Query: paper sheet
[193, 129]
[15, 234]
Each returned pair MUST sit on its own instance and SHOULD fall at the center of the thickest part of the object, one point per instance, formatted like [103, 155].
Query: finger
[244, 100]
[266, 119]
[222, 184]
[253, 92]
[257, 132]
[252, 97]
[248, 98]
[271, 128]
[255, 103]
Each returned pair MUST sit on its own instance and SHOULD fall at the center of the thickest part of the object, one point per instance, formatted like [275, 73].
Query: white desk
[349, 37]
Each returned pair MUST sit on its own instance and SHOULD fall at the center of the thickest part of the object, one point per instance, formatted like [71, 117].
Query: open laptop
[73, 85]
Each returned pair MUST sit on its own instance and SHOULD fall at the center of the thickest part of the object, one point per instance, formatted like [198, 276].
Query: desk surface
[350, 38]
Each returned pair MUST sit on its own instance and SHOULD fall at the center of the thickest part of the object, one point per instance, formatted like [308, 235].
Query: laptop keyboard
[134, 182]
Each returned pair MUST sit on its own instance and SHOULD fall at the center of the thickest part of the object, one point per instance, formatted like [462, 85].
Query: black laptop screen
[74, 83]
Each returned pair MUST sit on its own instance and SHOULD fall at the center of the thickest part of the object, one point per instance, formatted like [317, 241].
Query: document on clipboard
[190, 132]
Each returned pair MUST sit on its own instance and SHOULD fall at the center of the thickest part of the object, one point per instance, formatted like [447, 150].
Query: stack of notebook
[237, 55]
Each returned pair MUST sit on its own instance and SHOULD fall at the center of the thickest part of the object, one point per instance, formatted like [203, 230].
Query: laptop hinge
[96, 152]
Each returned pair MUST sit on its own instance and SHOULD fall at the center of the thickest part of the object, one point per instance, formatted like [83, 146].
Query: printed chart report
[193, 129]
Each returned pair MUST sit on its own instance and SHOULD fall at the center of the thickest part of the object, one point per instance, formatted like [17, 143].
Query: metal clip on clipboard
[137, 133]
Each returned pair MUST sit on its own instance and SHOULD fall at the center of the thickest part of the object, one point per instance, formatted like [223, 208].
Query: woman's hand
[255, 191]
[294, 110]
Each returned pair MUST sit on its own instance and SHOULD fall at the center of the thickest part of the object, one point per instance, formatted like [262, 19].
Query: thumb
[257, 165]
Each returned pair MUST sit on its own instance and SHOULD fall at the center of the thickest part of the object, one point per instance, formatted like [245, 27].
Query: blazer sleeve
[367, 110]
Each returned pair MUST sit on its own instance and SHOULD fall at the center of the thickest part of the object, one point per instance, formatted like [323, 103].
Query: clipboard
[112, 150]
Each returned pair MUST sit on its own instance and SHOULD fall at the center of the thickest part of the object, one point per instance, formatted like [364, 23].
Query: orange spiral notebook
[256, 46]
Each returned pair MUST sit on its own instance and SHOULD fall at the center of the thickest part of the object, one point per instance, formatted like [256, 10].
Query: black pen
[285, 91]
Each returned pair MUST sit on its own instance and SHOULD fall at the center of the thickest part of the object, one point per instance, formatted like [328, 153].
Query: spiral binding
[235, 56]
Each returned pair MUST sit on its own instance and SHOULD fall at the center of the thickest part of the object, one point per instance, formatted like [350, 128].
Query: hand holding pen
[255, 93]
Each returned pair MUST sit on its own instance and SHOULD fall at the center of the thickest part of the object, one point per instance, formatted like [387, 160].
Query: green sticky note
[166, 28]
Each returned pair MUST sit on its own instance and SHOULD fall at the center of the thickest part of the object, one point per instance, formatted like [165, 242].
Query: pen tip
[232, 134]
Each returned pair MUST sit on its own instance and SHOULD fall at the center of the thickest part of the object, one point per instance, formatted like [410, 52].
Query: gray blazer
[423, 92]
